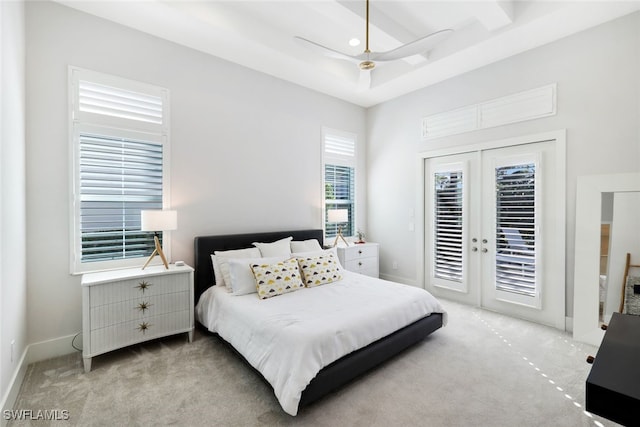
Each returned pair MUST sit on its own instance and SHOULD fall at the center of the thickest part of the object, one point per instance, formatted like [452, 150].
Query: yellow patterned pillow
[277, 279]
[318, 270]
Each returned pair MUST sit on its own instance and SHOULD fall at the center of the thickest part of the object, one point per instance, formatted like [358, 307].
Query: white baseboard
[48, 349]
[398, 279]
[9, 399]
[35, 352]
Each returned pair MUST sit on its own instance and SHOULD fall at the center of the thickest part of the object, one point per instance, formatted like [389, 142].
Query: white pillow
[222, 260]
[242, 280]
[305, 246]
[217, 274]
[278, 248]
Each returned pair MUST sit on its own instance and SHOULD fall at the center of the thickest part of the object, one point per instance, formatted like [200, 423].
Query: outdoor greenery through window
[120, 146]
[339, 180]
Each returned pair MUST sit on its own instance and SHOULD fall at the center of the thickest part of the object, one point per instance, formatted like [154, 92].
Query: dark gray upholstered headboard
[206, 245]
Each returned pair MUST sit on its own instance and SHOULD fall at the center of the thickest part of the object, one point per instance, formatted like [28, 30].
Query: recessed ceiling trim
[269, 49]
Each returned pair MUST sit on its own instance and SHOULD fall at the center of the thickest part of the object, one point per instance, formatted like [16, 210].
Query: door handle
[474, 249]
[485, 250]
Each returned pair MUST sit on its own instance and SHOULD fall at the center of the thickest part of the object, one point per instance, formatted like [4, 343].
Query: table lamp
[338, 216]
[158, 220]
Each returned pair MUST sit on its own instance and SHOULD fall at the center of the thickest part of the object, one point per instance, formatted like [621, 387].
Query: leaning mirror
[596, 297]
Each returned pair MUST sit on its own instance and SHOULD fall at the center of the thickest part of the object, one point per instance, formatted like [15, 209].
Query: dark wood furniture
[613, 385]
[342, 370]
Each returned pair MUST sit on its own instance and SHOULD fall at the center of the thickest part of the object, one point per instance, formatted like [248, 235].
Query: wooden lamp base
[340, 236]
[157, 251]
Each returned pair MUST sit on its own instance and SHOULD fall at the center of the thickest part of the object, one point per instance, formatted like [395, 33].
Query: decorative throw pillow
[277, 248]
[333, 251]
[242, 280]
[222, 260]
[277, 279]
[318, 270]
[305, 246]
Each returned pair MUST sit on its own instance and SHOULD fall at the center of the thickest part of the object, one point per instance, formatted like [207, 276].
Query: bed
[322, 378]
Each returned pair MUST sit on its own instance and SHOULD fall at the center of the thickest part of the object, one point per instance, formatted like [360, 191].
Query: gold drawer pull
[142, 306]
[144, 285]
[143, 327]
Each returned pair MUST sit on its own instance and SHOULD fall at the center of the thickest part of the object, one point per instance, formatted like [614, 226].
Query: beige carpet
[483, 369]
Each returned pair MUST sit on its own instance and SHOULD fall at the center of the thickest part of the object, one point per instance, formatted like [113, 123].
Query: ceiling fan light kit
[367, 65]
[367, 60]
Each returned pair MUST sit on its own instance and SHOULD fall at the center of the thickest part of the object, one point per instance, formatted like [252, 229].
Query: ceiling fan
[367, 60]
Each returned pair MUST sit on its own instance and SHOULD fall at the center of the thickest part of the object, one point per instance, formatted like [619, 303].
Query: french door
[492, 230]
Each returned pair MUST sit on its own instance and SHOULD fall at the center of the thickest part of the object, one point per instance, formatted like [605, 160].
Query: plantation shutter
[515, 229]
[117, 102]
[120, 138]
[339, 179]
[339, 150]
[118, 178]
[448, 229]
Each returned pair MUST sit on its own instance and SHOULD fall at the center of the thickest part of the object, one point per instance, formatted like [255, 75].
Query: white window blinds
[515, 229]
[448, 221]
[120, 146]
[118, 178]
[339, 149]
[117, 102]
[339, 158]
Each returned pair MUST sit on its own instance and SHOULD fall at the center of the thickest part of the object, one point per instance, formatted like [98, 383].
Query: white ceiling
[260, 35]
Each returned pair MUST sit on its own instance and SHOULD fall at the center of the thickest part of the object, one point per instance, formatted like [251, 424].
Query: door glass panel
[448, 231]
[515, 229]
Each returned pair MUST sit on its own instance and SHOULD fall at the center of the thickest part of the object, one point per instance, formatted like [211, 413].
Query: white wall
[598, 77]
[13, 281]
[245, 147]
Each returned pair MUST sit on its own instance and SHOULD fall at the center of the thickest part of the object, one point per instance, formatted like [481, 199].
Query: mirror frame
[586, 327]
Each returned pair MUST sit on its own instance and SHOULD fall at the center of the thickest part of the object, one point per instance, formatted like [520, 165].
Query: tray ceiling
[260, 35]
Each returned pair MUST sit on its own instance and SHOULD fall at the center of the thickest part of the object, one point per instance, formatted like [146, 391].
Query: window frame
[347, 161]
[85, 122]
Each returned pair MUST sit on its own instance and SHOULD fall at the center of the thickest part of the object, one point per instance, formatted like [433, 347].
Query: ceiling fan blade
[326, 51]
[415, 47]
[364, 80]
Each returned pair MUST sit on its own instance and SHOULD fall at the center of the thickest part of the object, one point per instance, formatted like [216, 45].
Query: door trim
[557, 265]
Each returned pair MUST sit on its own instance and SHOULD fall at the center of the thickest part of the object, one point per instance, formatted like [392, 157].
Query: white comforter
[291, 337]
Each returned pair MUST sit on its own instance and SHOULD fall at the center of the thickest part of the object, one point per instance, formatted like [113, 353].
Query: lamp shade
[338, 215]
[158, 220]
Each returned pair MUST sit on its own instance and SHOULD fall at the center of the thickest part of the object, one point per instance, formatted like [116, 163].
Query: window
[448, 225]
[515, 229]
[119, 135]
[339, 166]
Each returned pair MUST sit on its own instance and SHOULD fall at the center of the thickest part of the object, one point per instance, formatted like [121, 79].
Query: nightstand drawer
[359, 265]
[135, 331]
[139, 308]
[138, 288]
[360, 251]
